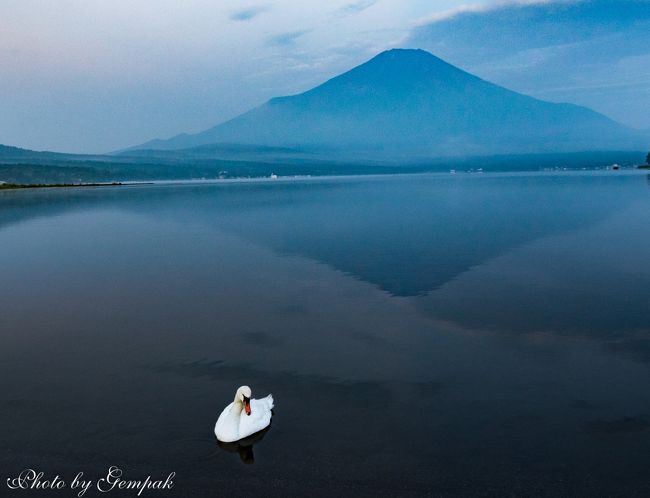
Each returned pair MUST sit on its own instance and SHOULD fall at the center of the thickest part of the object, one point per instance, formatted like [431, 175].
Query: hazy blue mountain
[411, 103]
[12, 155]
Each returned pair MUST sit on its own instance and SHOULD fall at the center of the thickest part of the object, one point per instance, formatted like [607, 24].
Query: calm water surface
[467, 335]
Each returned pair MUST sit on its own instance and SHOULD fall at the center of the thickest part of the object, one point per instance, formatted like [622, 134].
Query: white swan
[243, 417]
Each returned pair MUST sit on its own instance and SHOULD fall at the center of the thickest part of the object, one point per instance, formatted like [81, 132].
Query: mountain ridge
[410, 102]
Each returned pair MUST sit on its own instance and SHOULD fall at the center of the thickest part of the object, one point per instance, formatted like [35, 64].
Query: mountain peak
[402, 67]
[408, 56]
[405, 53]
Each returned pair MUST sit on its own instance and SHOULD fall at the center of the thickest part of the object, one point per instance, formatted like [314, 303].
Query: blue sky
[94, 76]
[595, 53]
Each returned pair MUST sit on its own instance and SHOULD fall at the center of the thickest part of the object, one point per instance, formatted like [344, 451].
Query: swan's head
[244, 396]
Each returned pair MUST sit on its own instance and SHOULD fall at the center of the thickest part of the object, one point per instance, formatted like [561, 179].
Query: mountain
[12, 155]
[410, 103]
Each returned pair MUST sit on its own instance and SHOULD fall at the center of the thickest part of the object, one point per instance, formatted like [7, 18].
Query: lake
[445, 335]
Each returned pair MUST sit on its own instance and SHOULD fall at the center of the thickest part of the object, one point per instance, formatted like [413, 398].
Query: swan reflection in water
[244, 446]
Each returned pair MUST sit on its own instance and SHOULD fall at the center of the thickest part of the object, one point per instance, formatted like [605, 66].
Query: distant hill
[409, 103]
[13, 155]
[10, 154]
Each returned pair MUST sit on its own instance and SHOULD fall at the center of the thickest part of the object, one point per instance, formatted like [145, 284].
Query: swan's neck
[238, 406]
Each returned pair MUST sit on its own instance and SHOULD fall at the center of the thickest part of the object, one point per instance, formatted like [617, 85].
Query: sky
[94, 76]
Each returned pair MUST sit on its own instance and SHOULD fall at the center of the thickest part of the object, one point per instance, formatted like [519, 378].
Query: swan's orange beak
[247, 407]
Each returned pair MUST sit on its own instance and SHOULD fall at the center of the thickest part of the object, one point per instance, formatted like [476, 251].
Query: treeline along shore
[14, 186]
[63, 171]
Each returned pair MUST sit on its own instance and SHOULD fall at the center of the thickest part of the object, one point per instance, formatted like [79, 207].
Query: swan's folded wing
[259, 419]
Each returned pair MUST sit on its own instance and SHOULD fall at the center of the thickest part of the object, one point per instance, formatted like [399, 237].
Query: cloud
[516, 26]
[248, 13]
[551, 49]
[356, 7]
[480, 7]
[287, 38]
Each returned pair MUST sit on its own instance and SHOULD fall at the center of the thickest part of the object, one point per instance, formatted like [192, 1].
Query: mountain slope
[411, 102]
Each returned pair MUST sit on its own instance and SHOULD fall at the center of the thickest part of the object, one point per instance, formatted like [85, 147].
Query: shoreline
[298, 178]
[22, 186]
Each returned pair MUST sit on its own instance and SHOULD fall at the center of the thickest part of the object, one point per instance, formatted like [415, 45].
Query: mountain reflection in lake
[449, 335]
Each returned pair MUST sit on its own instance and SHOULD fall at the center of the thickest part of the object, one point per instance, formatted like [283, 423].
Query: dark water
[467, 335]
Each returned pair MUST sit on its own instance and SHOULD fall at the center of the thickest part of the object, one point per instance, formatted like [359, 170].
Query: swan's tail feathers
[269, 401]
